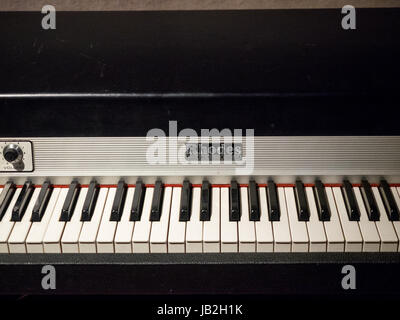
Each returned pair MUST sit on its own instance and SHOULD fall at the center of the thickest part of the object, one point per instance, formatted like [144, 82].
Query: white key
[141, 233]
[372, 241]
[55, 228]
[176, 233]
[211, 232]
[315, 227]
[282, 238]
[34, 241]
[333, 228]
[229, 229]
[87, 238]
[194, 227]
[16, 241]
[396, 224]
[389, 240]
[6, 224]
[105, 235]
[264, 233]
[247, 229]
[159, 229]
[72, 230]
[298, 229]
[123, 235]
[351, 231]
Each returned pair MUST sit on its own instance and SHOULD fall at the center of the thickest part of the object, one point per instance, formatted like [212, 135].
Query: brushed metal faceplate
[281, 157]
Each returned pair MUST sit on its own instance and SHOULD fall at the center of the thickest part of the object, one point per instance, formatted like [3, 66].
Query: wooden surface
[121, 5]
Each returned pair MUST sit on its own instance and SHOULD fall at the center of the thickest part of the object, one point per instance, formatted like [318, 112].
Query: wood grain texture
[143, 5]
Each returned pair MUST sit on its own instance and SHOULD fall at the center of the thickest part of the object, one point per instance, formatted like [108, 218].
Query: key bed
[169, 218]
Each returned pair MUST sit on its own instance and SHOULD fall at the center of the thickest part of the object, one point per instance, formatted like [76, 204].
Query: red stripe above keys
[332, 185]
[61, 186]
[281, 185]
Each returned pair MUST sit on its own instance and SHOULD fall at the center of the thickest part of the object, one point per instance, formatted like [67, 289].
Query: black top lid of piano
[197, 67]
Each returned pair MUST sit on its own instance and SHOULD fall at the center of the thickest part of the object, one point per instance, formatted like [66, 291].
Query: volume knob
[12, 153]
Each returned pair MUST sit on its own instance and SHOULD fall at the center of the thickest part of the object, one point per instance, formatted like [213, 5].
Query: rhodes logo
[212, 147]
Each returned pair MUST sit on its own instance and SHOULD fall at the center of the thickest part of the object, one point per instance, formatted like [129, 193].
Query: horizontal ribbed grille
[273, 156]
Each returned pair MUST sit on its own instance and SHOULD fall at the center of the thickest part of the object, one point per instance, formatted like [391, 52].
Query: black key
[184, 212]
[254, 214]
[274, 211]
[234, 213]
[42, 201]
[4, 192]
[156, 204]
[5, 197]
[90, 201]
[370, 202]
[205, 204]
[137, 203]
[22, 202]
[350, 200]
[118, 204]
[70, 201]
[388, 200]
[303, 211]
[324, 211]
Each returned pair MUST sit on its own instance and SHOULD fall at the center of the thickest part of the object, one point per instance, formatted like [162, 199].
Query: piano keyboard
[199, 218]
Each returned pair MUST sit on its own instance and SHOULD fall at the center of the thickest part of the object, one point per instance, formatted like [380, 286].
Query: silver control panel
[16, 156]
[283, 159]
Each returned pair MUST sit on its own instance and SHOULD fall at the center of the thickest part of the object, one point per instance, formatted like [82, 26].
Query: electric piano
[107, 175]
